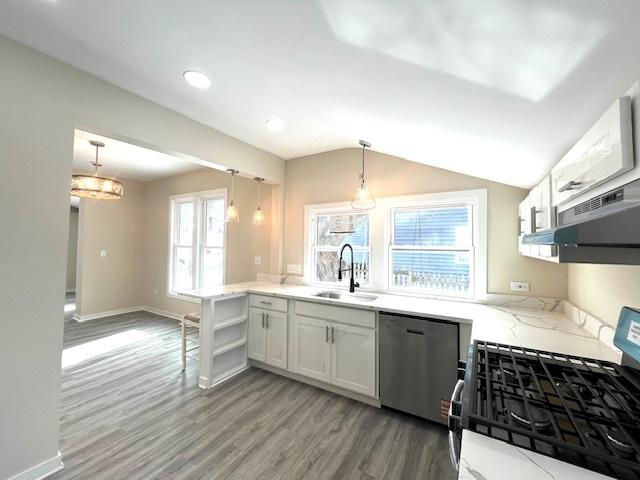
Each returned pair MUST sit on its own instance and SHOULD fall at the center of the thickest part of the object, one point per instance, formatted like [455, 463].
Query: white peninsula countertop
[524, 327]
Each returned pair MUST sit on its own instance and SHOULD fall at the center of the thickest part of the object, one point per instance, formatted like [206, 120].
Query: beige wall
[118, 227]
[43, 100]
[72, 249]
[602, 290]
[244, 240]
[332, 177]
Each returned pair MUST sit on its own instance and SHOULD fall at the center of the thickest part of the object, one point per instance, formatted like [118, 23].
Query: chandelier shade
[95, 186]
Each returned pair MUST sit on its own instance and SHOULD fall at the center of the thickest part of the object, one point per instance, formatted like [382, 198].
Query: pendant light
[95, 186]
[232, 211]
[363, 200]
[258, 215]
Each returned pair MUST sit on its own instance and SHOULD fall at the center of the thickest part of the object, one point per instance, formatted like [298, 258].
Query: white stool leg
[184, 346]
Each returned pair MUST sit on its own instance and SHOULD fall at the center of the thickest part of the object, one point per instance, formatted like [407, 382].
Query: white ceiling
[498, 89]
[125, 160]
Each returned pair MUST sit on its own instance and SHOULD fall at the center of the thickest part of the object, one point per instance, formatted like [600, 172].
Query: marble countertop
[507, 323]
[484, 458]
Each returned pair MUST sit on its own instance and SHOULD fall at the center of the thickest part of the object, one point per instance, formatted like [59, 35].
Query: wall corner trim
[41, 470]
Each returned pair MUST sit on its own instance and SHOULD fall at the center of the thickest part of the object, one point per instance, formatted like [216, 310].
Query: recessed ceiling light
[274, 124]
[197, 79]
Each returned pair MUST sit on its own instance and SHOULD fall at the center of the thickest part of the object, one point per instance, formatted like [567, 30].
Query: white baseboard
[164, 313]
[108, 313]
[42, 470]
[120, 311]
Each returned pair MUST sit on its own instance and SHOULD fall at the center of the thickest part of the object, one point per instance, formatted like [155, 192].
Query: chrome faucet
[352, 284]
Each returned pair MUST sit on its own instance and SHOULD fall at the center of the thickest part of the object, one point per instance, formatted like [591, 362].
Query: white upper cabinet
[604, 152]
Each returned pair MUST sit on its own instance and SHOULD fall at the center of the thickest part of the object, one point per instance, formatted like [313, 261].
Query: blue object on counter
[627, 336]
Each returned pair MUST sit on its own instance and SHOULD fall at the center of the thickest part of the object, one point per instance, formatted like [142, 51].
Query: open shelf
[229, 346]
[230, 322]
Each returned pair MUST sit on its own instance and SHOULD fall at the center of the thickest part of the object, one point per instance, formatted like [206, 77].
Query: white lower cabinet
[268, 337]
[339, 354]
[353, 354]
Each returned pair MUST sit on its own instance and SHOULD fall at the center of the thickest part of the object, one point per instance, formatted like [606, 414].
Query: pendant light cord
[95, 174]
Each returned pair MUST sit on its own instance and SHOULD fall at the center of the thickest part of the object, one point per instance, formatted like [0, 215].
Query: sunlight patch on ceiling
[524, 48]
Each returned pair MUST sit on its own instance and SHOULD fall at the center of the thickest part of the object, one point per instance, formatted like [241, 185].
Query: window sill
[182, 298]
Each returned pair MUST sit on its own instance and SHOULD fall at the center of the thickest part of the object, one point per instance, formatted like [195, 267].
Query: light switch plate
[103, 253]
[519, 286]
[258, 260]
[294, 268]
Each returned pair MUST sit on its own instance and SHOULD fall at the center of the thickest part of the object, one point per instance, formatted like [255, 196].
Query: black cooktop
[578, 410]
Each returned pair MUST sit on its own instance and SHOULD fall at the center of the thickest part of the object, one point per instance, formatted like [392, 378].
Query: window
[327, 242]
[431, 249]
[197, 246]
[431, 245]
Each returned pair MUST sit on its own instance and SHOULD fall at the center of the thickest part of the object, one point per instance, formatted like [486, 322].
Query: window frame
[392, 247]
[199, 200]
[380, 231]
[310, 239]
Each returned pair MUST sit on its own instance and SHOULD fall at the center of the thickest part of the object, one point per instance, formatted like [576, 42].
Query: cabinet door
[524, 225]
[603, 153]
[312, 350]
[276, 339]
[257, 342]
[353, 358]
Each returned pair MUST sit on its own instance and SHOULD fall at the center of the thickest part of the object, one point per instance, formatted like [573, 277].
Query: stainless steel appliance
[579, 410]
[602, 229]
[418, 364]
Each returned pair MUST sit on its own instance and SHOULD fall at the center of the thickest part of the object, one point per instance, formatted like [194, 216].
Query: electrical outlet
[103, 253]
[155, 291]
[294, 268]
[519, 286]
[257, 260]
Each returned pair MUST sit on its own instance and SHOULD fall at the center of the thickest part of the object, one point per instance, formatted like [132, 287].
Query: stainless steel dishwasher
[418, 364]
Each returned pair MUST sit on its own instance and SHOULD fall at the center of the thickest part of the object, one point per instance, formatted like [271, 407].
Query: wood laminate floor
[128, 413]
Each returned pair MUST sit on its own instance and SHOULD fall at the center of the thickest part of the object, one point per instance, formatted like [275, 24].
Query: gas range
[579, 410]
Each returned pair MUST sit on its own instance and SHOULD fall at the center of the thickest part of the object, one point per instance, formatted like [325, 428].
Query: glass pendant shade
[363, 200]
[232, 211]
[258, 217]
[95, 186]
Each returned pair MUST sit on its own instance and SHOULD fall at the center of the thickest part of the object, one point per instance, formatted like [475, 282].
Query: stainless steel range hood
[603, 229]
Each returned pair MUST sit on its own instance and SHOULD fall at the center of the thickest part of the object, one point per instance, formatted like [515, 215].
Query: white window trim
[339, 208]
[380, 238]
[198, 198]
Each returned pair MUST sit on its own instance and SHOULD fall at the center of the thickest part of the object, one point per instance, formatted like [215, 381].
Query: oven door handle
[455, 434]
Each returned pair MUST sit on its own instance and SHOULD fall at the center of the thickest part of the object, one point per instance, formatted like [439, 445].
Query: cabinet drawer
[346, 315]
[270, 303]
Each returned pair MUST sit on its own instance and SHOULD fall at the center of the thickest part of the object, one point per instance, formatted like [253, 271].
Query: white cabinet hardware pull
[267, 319]
[263, 320]
[326, 334]
[333, 335]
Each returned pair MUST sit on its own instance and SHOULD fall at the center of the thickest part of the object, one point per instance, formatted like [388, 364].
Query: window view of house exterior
[197, 249]
[327, 245]
[432, 250]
